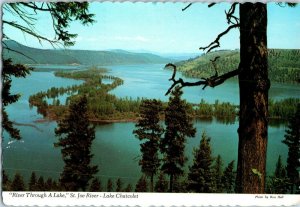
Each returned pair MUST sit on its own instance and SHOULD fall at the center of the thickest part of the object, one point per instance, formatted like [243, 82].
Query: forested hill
[82, 57]
[284, 64]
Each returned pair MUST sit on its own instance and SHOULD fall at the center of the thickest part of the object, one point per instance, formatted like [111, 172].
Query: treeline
[39, 183]
[284, 64]
[105, 106]
[162, 153]
[101, 104]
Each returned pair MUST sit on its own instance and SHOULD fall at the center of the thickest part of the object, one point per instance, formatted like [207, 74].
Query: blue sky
[163, 27]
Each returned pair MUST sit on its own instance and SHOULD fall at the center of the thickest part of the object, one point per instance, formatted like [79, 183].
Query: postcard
[150, 103]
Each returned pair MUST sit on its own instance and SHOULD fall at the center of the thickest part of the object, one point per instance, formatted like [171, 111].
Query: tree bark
[254, 86]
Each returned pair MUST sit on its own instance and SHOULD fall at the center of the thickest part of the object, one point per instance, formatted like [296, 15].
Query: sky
[162, 27]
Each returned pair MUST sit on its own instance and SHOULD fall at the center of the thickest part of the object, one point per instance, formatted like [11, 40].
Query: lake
[115, 148]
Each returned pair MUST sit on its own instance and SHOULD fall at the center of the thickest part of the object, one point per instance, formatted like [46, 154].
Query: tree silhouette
[292, 140]
[149, 129]
[18, 183]
[75, 138]
[40, 185]
[128, 188]
[109, 185]
[119, 185]
[96, 185]
[228, 178]
[5, 181]
[218, 173]
[178, 127]
[200, 177]
[32, 182]
[279, 181]
[161, 184]
[141, 185]
[11, 70]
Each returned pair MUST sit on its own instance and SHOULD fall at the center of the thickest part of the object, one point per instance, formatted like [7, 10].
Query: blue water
[115, 147]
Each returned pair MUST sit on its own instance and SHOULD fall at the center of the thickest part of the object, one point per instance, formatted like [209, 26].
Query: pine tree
[128, 188]
[218, 172]
[178, 127]
[8, 71]
[119, 185]
[141, 185]
[161, 184]
[49, 184]
[5, 181]
[292, 140]
[228, 178]
[279, 181]
[149, 129]
[40, 185]
[110, 185]
[75, 139]
[96, 185]
[18, 183]
[200, 177]
[32, 182]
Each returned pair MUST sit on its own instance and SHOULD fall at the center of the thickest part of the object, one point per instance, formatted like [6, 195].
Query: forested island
[106, 107]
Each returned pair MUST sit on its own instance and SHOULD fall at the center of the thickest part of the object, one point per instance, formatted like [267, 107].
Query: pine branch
[212, 81]
[216, 42]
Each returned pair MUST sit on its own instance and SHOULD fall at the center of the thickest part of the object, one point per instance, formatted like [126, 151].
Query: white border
[143, 199]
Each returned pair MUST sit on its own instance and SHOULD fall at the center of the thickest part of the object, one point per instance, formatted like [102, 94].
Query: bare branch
[190, 4]
[212, 4]
[230, 16]
[211, 81]
[216, 42]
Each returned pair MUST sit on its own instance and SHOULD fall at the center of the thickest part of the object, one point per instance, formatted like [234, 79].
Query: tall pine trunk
[254, 86]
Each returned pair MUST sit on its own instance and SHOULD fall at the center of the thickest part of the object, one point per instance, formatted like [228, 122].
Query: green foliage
[283, 109]
[217, 171]
[128, 188]
[17, 183]
[228, 178]
[5, 181]
[119, 185]
[292, 140]
[62, 14]
[279, 182]
[201, 175]
[40, 185]
[109, 185]
[141, 185]
[96, 185]
[149, 131]
[32, 182]
[101, 104]
[73, 131]
[161, 184]
[178, 126]
[284, 64]
[10, 70]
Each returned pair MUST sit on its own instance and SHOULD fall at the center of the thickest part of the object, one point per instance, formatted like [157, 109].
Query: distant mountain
[284, 64]
[82, 57]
